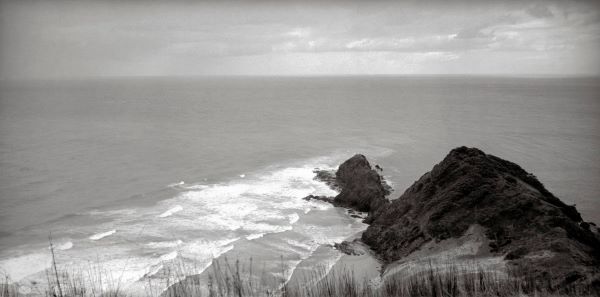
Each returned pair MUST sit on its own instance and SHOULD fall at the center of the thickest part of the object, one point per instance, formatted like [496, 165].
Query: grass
[237, 279]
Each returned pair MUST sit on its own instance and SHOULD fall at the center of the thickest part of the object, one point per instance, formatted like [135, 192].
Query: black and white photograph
[334, 148]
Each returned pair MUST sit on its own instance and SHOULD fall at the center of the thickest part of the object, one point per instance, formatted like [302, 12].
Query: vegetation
[226, 279]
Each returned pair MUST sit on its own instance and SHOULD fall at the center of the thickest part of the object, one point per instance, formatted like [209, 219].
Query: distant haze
[55, 39]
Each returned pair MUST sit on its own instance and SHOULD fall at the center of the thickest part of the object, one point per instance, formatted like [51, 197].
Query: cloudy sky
[54, 39]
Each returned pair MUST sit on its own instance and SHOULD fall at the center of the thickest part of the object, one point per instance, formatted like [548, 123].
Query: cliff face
[535, 232]
[361, 186]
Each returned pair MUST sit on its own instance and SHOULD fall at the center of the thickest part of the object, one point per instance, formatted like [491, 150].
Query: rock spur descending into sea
[472, 195]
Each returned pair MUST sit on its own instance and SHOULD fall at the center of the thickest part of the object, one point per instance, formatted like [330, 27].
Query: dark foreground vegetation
[227, 279]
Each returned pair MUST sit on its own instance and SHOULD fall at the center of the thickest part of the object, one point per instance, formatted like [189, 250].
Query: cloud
[539, 11]
[299, 32]
[73, 38]
[432, 43]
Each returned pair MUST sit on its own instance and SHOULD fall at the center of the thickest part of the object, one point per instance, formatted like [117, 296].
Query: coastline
[362, 265]
[312, 255]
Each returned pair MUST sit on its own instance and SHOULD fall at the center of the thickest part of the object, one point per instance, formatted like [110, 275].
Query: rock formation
[361, 187]
[536, 233]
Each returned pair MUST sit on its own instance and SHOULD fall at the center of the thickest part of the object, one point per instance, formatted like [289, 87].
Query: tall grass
[449, 281]
[237, 279]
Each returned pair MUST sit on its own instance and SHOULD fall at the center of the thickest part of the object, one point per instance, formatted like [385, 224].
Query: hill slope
[535, 232]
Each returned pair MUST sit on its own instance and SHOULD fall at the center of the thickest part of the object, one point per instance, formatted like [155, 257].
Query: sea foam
[255, 236]
[171, 211]
[64, 246]
[221, 213]
[173, 185]
[99, 236]
[293, 218]
[168, 257]
[19, 267]
[165, 244]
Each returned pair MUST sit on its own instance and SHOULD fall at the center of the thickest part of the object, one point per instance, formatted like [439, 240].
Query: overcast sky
[50, 39]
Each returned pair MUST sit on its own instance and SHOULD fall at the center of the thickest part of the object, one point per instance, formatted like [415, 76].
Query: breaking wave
[171, 211]
[101, 235]
[210, 221]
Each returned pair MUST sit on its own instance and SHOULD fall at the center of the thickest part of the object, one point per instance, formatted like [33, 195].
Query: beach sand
[363, 266]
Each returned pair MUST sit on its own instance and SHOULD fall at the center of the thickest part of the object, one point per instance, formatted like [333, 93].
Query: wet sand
[363, 266]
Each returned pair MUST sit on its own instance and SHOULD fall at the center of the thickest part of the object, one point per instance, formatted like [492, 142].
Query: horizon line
[108, 77]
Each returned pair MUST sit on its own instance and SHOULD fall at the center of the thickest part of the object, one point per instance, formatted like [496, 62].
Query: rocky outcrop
[352, 248]
[537, 234]
[362, 187]
[328, 177]
[320, 198]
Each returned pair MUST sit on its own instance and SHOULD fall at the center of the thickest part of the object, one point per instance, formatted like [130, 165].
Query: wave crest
[101, 235]
[171, 211]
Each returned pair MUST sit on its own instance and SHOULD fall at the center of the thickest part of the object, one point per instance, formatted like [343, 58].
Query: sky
[84, 38]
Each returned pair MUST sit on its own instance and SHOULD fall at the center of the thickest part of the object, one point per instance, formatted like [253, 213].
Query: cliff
[361, 186]
[533, 232]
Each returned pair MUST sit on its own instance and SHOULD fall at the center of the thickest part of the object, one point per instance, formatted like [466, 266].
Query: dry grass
[434, 282]
[237, 279]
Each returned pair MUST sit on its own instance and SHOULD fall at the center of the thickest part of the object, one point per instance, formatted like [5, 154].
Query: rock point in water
[362, 188]
[534, 231]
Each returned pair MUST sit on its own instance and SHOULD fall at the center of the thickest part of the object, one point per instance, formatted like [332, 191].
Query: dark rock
[328, 177]
[516, 253]
[320, 198]
[353, 248]
[585, 225]
[470, 187]
[387, 189]
[361, 186]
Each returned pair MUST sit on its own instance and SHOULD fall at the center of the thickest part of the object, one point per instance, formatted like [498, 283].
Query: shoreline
[312, 253]
[362, 265]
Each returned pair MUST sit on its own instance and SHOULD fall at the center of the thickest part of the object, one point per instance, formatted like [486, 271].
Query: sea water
[137, 176]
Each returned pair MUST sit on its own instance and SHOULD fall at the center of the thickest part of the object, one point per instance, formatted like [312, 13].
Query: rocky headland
[361, 187]
[472, 209]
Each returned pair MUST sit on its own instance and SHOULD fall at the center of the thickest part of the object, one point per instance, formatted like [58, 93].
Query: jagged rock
[352, 248]
[320, 198]
[328, 177]
[361, 186]
[387, 189]
[357, 214]
[522, 218]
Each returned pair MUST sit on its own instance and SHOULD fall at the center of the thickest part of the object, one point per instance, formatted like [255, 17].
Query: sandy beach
[363, 266]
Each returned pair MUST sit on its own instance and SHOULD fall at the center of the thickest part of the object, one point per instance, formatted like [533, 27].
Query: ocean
[136, 176]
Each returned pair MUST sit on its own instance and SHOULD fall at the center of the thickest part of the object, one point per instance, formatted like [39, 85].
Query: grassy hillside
[227, 279]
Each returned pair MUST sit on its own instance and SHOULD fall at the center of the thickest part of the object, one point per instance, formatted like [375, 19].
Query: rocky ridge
[534, 232]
